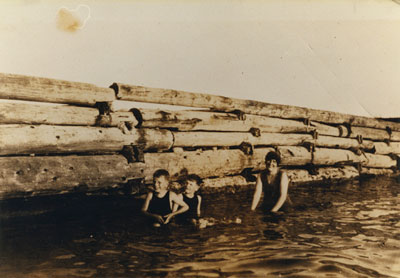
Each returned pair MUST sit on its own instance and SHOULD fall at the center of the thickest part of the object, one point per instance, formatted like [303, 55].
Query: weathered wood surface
[220, 103]
[211, 121]
[43, 139]
[385, 148]
[300, 156]
[206, 164]
[22, 87]
[370, 133]
[210, 139]
[325, 174]
[377, 161]
[54, 114]
[64, 173]
[376, 171]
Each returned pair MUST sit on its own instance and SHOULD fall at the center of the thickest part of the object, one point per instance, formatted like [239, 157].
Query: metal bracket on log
[104, 117]
[256, 132]
[133, 153]
[349, 131]
[358, 166]
[397, 158]
[387, 141]
[310, 146]
[138, 115]
[360, 139]
[306, 121]
[240, 114]
[247, 148]
[314, 134]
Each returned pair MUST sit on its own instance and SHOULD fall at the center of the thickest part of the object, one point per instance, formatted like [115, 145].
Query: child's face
[271, 165]
[191, 187]
[161, 184]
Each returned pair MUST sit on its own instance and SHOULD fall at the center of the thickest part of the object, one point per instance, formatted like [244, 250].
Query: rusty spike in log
[212, 163]
[220, 103]
[211, 121]
[52, 114]
[40, 89]
[60, 174]
[42, 139]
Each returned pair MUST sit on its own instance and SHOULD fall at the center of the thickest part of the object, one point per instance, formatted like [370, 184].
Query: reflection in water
[349, 230]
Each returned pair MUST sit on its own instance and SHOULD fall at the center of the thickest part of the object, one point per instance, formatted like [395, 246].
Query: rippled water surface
[347, 230]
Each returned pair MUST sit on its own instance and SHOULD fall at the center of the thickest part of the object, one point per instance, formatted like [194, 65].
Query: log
[13, 86]
[377, 161]
[376, 172]
[298, 156]
[385, 148]
[326, 174]
[59, 174]
[211, 139]
[53, 114]
[342, 143]
[200, 120]
[323, 129]
[370, 133]
[220, 103]
[206, 164]
[43, 139]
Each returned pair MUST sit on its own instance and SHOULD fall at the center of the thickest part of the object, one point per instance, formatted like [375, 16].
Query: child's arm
[145, 207]
[175, 205]
[257, 193]
[183, 207]
[199, 206]
[284, 184]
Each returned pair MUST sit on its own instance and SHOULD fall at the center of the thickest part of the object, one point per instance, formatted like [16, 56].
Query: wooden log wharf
[59, 137]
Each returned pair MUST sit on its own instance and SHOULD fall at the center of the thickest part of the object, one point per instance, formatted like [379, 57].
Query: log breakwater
[59, 136]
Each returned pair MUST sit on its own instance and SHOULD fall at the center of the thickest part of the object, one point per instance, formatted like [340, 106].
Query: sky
[341, 56]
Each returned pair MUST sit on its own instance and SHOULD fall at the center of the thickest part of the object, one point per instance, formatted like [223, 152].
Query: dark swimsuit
[191, 213]
[272, 192]
[160, 206]
[193, 204]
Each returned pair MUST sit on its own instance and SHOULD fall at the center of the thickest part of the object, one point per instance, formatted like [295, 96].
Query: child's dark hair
[161, 172]
[273, 155]
[196, 178]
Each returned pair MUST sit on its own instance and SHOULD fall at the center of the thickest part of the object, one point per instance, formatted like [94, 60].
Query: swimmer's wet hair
[273, 155]
[161, 172]
[196, 178]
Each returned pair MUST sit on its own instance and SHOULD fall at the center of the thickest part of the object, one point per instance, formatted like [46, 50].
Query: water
[347, 230]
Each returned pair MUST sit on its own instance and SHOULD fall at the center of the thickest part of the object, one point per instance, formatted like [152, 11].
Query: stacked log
[58, 136]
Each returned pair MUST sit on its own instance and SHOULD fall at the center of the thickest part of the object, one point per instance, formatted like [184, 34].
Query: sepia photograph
[173, 138]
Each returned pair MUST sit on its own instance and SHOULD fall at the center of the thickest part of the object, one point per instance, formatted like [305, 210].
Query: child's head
[192, 184]
[272, 161]
[161, 180]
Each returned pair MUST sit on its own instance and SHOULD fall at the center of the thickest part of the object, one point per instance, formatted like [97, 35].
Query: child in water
[191, 197]
[274, 183]
[159, 204]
